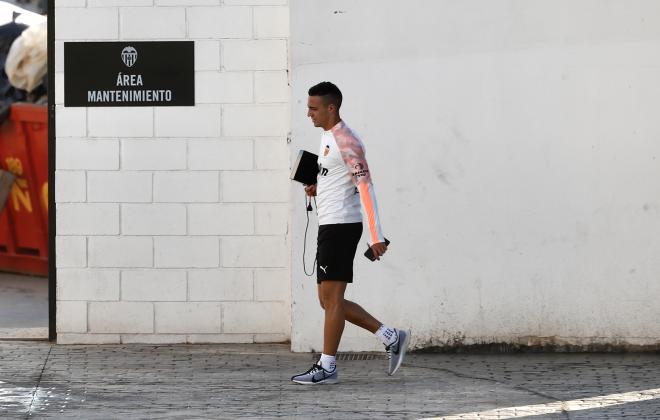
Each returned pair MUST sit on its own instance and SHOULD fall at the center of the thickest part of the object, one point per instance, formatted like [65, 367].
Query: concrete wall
[514, 149]
[172, 221]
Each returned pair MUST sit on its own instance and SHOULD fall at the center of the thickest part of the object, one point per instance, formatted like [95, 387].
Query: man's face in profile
[318, 111]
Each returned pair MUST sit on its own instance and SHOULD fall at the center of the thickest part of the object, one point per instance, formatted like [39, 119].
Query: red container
[24, 220]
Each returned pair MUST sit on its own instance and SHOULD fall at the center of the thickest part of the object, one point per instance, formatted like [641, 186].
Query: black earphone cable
[308, 208]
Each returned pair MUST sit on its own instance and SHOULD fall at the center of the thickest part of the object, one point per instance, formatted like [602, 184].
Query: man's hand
[379, 249]
[310, 190]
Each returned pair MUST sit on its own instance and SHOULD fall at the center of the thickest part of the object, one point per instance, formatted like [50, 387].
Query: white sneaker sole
[325, 382]
[404, 347]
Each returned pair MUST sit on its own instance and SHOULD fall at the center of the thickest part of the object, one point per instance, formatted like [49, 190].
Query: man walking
[343, 186]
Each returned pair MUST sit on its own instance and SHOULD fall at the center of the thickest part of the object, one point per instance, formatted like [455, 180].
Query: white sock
[387, 335]
[327, 362]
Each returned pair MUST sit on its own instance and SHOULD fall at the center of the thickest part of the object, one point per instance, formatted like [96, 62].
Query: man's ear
[332, 108]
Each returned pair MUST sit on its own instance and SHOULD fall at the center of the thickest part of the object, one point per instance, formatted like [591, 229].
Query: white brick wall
[221, 219]
[71, 3]
[118, 317]
[87, 154]
[152, 338]
[271, 154]
[153, 285]
[271, 86]
[184, 186]
[271, 22]
[216, 87]
[71, 186]
[255, 186]
[87, 218]
[71, 316]
[255, 120]
[120, 122]
[220, 22]
[172, 222]
[59, 63]
[255, 2]
[71, 251]
[125, 251]
[197, 121]
[86, 284]
[188, 2]
[108, 3]
[72, 338]
[153, 219]
[152, 23]
[271, 284]
[257, 317]
[70, 122]
[219, 285]
[207, 55]
[220, 338]
[254, 251]
[188, 317]
[119, 186]
[271, 219]
[254, 55]
[220, 154]
[187, 251]
[144, 154]
[59, 88]
[82, 23]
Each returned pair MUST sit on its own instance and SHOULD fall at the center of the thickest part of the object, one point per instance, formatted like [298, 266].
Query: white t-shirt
[344, 182]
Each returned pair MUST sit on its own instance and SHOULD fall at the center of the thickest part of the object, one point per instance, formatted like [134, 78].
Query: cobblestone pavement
[43, 380]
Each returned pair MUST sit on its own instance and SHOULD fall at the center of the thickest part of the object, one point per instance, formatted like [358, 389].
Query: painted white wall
[515, 155]
[172, 221]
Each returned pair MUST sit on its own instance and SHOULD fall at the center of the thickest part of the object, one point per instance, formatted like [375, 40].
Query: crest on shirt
[359, 170]
[326, 151]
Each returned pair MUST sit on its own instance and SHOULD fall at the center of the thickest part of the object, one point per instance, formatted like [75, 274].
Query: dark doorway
[27, 228]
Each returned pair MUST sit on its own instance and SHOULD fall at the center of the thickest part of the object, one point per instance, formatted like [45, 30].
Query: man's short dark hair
[328, 91]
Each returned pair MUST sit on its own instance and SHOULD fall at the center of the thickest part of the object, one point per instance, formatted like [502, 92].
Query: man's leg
[355, 314]
[332, 298]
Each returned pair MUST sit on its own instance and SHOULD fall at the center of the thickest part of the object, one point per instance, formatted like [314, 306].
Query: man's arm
[353, 155]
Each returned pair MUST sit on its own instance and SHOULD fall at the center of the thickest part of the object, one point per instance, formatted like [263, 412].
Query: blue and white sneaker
[317, 375]
[397, 350]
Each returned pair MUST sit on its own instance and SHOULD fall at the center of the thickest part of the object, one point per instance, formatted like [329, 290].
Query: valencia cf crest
[129, 56]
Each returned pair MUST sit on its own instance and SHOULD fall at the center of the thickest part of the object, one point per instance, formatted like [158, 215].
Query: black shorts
[335, 251]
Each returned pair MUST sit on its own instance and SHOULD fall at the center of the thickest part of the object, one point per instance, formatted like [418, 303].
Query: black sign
[129, 73]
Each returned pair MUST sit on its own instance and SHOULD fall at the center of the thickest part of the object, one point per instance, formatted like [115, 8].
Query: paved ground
[42, 380]
[23, 306]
